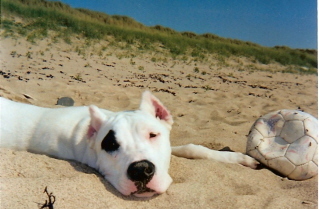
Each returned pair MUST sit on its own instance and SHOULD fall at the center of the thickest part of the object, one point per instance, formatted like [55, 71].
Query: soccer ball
[286, 141]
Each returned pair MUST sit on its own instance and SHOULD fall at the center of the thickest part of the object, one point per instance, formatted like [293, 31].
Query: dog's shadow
[108, 186]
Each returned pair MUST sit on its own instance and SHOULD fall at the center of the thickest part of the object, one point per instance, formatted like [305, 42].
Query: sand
[214, 106]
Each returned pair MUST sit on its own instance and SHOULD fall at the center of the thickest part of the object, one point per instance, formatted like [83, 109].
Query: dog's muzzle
[141, 172]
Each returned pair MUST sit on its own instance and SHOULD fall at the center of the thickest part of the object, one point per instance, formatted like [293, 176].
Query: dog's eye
[109, 143]
[152, 135]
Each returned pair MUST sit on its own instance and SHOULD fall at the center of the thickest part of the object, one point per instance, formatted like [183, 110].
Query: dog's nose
[141, 171]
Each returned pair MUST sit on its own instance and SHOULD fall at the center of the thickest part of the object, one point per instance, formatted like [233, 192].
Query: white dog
[130, 148]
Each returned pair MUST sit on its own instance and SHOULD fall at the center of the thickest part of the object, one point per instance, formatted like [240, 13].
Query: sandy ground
[215, 107]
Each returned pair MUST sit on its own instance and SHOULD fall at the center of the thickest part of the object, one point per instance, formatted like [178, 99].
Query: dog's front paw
[249, 161]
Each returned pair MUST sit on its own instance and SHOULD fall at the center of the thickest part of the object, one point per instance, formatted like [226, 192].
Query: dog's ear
[154, 106]
[97, 119]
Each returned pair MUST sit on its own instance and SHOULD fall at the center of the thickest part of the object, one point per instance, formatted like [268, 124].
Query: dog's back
[37, 129]
[14, 123]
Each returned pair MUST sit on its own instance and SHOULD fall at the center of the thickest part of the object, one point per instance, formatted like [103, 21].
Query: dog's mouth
[142, 189]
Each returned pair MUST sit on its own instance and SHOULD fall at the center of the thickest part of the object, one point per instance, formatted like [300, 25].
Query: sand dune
[214, 106]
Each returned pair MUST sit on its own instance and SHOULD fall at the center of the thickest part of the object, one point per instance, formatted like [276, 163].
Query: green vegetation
[40, 17]
[141, 68]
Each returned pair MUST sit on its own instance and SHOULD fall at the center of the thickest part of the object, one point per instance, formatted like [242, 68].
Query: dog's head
[133, 147]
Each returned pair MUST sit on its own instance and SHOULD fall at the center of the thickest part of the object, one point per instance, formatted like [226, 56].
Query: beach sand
[212, 105]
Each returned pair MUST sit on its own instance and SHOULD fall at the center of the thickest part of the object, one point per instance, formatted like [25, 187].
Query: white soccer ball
[286, 141]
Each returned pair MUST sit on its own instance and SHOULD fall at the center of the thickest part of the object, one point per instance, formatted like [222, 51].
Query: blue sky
[291, 23]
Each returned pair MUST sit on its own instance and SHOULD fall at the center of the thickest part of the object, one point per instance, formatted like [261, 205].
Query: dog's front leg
[199, 152]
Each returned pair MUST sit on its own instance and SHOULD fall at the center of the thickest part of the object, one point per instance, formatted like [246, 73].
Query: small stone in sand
[65, 101]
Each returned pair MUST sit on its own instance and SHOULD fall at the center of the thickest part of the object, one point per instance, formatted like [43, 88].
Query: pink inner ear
[160, 111]
[91, 132]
